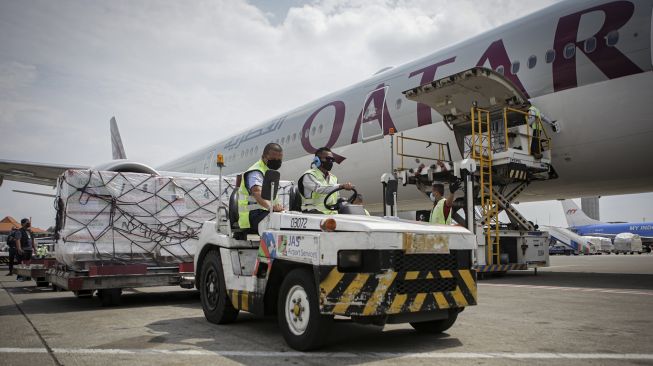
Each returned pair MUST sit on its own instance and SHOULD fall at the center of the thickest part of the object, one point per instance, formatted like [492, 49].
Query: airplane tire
[300, 321]
[216, 304]
[436, 326]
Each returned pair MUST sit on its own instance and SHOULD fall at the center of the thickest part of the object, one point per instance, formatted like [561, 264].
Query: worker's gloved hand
[555, 126]
[347, 186]
[454, 186]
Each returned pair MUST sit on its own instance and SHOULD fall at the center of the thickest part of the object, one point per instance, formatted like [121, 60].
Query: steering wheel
[334, 207]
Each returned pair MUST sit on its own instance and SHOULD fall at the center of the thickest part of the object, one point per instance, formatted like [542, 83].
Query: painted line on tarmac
[581, 289]
[255, 354]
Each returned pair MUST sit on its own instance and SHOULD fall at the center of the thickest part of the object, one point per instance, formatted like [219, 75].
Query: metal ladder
[482, 152]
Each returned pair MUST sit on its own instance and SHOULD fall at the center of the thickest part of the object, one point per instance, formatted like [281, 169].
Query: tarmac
[584, 310]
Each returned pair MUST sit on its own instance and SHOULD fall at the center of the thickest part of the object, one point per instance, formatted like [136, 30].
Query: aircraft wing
[33, 172]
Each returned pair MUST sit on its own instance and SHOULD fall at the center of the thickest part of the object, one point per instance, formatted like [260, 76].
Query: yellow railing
[442, 152]
[544, 139]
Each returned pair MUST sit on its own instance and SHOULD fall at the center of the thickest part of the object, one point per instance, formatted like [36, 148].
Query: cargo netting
[118, 217]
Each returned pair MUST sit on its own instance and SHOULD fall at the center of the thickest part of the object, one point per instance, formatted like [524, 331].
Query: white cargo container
[627, 243]
[606, 246]
[593, 243]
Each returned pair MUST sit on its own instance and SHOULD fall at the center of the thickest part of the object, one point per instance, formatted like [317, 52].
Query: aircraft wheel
[216, 304]
[302, 325]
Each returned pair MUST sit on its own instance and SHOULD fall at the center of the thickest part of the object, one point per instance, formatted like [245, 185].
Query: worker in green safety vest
[316, 183]
[252, 208]
[535, 119]
[42, 251]
[441, 212]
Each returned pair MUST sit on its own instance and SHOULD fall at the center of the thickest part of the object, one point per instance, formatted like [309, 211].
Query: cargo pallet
[110, 280]
[35, 269]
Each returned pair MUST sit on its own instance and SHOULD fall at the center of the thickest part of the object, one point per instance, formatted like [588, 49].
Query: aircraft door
[371, 117]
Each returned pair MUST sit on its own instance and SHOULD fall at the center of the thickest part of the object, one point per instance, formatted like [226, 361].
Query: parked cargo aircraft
[583, 225]
[586, 64]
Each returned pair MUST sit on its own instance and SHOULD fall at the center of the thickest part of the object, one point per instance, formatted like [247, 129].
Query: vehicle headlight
[348, 259]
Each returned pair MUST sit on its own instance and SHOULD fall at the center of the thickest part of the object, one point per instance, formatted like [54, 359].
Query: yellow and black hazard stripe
[246, 301]
[367, 294]
[501, 267]
[518, 174]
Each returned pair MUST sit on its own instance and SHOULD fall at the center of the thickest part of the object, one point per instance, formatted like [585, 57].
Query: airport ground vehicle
[308, 268]
[35, 269]
[491, 119]
[109, 280]
[560, 249]
[119, 230]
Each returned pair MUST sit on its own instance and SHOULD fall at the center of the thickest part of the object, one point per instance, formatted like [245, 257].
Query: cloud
[178, 76]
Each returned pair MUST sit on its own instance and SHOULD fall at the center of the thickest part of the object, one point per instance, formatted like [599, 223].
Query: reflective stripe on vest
[437, 214]
[246, 202]
[316, 201]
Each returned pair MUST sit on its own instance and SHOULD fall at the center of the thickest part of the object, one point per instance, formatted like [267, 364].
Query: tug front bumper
[403, 284]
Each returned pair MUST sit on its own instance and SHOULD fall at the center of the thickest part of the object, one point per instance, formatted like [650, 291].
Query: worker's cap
[24, 221]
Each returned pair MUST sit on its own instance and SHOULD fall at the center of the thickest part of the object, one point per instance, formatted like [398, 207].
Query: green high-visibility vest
[437, 214]
[533, 111]
[42, 251]
[316, 200]
[246, 202]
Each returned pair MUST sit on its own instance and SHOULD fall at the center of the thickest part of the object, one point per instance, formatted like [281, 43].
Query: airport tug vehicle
[505, 147]
[308, 268]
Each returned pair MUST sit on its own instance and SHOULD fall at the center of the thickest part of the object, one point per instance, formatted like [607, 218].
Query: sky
[180, 75]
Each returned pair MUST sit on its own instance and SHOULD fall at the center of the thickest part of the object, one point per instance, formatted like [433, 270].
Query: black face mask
[274, 164]
[327, 165]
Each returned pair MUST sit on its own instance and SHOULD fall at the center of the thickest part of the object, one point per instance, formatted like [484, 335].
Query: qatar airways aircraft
[586, 64]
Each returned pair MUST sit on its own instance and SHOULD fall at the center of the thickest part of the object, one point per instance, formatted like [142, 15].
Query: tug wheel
[213, 293]
[436, 326]
[302, 325]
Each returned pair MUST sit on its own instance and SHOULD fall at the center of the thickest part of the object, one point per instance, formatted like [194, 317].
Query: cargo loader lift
[490, 119]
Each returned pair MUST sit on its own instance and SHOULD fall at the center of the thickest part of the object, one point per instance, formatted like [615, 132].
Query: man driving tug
[318, 182]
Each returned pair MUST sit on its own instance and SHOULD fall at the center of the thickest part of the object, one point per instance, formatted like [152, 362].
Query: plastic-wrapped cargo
[131, 217]
[606, 245]
[627, 243]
